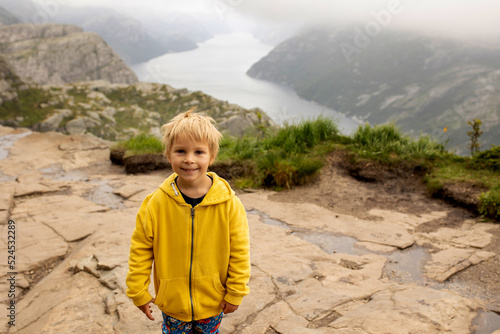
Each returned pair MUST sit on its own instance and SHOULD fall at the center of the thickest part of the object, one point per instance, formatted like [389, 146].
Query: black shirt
[191, 201]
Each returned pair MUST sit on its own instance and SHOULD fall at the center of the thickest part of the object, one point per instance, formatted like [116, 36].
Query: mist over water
[218, 68]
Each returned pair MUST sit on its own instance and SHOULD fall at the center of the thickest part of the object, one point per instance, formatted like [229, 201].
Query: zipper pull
[192, 212]
[175, 189]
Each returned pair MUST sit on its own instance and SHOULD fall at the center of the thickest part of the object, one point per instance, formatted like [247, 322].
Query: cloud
[453, 17]
[457, 17]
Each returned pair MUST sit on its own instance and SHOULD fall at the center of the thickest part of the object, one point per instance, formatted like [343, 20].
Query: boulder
[52, 122]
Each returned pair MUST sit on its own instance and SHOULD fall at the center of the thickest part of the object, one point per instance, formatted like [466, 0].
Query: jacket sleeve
[239, 261]
[141, 257]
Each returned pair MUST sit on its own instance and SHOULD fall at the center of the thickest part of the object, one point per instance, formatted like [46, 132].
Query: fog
[460, 18]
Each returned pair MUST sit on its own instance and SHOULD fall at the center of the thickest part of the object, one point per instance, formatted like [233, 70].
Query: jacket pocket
[173, 296]
[209, 292]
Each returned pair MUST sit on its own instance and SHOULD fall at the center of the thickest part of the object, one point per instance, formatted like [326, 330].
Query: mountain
[424, 84]
[195, 27]
[54, 54]
[7, 17]
[125, 34]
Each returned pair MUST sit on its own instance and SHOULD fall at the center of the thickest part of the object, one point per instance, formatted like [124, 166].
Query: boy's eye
[179, 151]
[199, 152]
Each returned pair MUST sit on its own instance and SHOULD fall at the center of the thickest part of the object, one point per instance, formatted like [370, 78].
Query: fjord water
[218, 68]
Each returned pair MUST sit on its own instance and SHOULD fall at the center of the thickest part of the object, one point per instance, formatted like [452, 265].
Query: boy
[196, 231]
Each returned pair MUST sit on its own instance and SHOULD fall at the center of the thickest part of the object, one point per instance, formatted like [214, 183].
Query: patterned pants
[205, 326]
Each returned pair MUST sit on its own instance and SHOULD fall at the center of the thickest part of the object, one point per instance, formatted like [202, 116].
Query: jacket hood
[219, 192]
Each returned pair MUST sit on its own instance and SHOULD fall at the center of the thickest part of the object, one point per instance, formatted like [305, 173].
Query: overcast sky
[458, 17]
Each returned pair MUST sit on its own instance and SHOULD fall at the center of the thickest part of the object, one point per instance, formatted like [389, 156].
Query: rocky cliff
[422, 83]
[117, 111]
[56, 54]
[135, 36]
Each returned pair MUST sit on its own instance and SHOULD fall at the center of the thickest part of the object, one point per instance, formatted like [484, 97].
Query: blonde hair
[197, 127]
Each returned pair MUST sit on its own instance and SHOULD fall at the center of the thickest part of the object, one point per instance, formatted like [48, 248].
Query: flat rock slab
[129, 190]
[33, 183]
[409, 310]
[314, 217]
[37, 244]
[470, 234]
[446, 263]
[405, 219]
[39, 150]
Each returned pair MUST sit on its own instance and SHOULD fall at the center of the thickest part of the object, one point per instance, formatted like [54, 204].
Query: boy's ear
[212, 159]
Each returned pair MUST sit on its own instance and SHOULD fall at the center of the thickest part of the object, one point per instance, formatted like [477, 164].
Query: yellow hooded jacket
[200, 255]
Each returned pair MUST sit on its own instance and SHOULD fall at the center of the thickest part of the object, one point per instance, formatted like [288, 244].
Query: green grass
[141, 144]
[30, 105]
[293, 154]
[387, 144]
[285, 158]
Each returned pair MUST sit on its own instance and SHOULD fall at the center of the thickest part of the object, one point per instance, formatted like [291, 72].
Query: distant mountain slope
[422, 84]
[7, 17]
[54, 54]
[128, 36]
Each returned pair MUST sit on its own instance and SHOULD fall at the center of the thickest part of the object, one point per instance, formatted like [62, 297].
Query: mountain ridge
[56, 54]
[422, 84]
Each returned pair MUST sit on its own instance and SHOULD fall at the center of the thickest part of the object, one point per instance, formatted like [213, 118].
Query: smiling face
[190, 160]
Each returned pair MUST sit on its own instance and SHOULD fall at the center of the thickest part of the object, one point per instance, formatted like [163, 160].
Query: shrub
[489, 204]
[385, 142]
[278, 169]
[489, 159]
[304, 136]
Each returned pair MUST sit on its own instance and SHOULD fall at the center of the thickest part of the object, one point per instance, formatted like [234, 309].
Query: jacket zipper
[191, 264]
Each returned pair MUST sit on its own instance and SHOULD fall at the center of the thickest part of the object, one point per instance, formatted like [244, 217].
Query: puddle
[102, 194]
[486, 322]
[56, 172]
[7, 141]
[405, 266]
[330, 242]
[327, 241]
[402, 266]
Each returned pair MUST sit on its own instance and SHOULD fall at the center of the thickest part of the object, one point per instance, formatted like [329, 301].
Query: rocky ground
[337, 256]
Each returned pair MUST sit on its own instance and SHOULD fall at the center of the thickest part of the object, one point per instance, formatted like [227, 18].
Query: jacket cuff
[231, 299]
[143, 300]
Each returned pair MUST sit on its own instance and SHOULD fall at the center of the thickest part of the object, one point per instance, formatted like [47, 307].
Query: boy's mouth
[189, 170]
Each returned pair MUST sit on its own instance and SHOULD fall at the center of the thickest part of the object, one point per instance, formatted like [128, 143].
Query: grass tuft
[141, 144]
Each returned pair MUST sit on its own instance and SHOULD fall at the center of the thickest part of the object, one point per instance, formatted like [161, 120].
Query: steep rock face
[56, 54]
[135, 38]
[422, 83]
